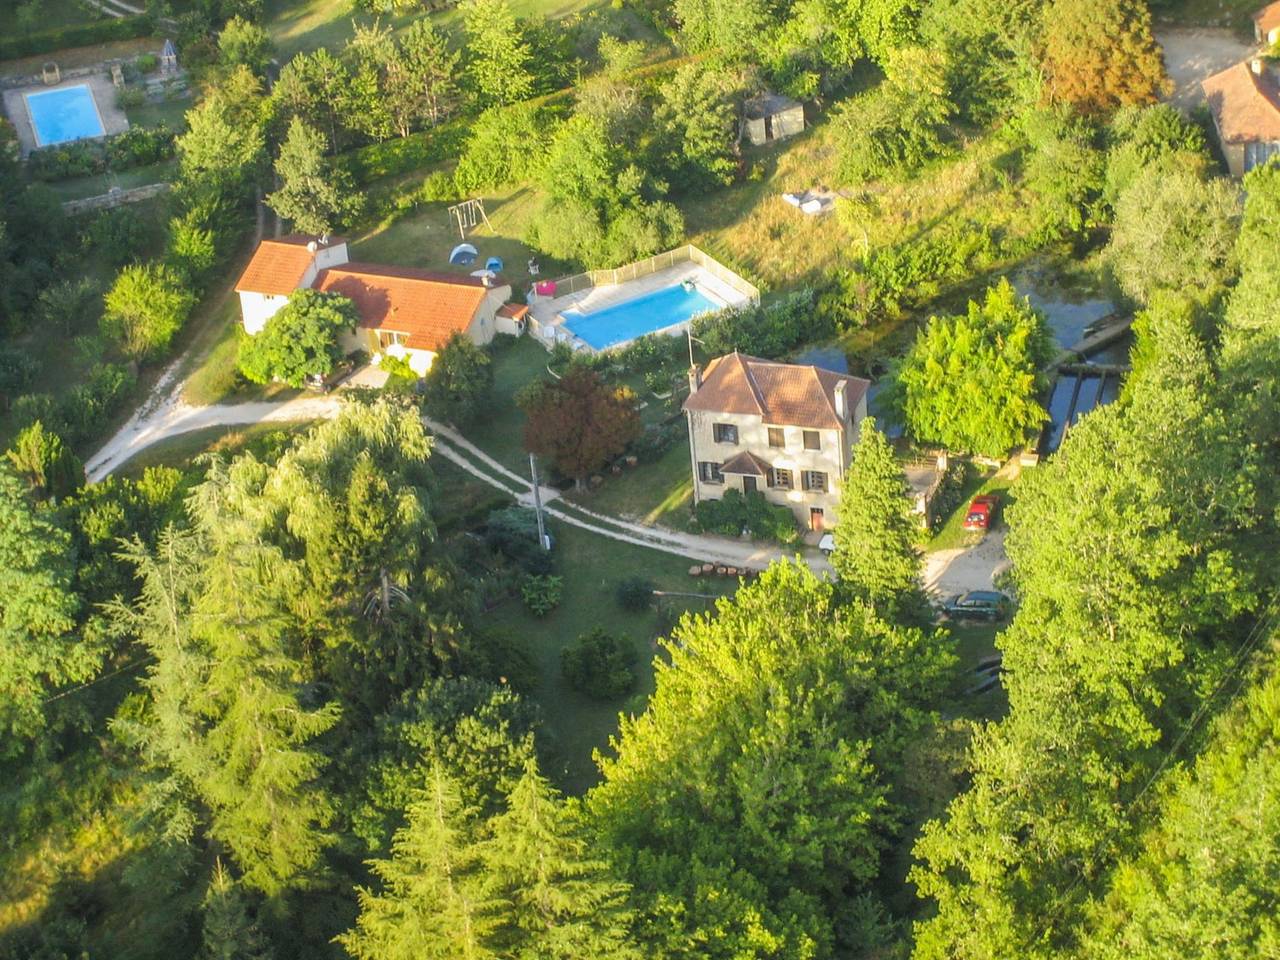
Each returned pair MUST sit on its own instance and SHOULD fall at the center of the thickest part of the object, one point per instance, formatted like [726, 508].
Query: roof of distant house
[787, 394]
[1245, 105]
[279, 264]
[1268, 18]
[427, 307]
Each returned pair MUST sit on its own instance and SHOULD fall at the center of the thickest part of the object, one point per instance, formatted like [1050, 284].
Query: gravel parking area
[1193, 53]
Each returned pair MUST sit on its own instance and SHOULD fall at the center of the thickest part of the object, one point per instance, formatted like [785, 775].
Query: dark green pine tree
[228, 932]
[875, 555]
[564, 904]
[434, 904]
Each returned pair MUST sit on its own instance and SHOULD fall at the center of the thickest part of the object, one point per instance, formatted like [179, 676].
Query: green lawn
[172, 113]
[659, 492]
[592, 566]
[425, 236]
[304, 25]
[52, 14]
[500, 433]
[101, 183]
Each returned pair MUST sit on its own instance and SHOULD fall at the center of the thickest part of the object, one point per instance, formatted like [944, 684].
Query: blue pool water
[65, 114]
[634, 318]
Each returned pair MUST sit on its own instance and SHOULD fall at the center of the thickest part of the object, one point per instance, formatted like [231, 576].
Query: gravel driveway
[966, 568]
[1193, 53]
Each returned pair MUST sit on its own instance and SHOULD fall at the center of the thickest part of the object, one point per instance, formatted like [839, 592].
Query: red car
[982, 512]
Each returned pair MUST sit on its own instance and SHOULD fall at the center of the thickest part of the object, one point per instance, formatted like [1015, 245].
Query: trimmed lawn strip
[101, 183]
[655, 493]
[981, 481]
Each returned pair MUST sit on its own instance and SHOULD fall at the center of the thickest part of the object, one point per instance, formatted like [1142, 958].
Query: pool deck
[104, 95]
[547, 310]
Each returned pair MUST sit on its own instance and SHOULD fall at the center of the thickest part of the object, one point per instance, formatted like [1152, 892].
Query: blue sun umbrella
[464, 254]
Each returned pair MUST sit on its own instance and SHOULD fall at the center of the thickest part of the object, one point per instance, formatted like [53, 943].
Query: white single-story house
[404, 312]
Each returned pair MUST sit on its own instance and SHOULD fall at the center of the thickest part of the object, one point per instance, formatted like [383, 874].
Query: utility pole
[537, 504]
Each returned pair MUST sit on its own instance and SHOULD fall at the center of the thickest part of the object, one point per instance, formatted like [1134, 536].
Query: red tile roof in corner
[427, 307]
[1268, 18]
[1245, 105]
[279, 264]
[785, 394]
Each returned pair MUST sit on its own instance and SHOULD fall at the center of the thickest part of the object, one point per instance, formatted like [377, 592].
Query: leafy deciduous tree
[300, 339]
[459, 381]
[578, 422]
[314, 193]
[497, 60]
[1101, 54]
[145, 307]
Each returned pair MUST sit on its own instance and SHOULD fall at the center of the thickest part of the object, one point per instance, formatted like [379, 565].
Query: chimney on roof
[324, 239]
[1257, 66]
[842, 403]
[695, 379]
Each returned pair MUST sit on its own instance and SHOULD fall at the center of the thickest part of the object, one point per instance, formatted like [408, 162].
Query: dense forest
[275, 669]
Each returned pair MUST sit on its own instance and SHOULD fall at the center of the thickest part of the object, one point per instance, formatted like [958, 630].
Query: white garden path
[166, 415]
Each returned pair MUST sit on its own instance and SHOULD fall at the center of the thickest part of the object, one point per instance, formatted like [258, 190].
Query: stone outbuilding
[768, 117]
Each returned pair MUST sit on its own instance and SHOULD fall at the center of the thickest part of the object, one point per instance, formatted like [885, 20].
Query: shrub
[513, 532]
[85, 411]
[657, 439]
[147, 63]
[438, 186]
[129, 98]
[140, 147]
[145, 307]
[119, 235]
[599, 665]
[17, 372]
[407, 154]
[635, 594]
[735, 512]
[764, 331]
[541, 593]
[301, 339]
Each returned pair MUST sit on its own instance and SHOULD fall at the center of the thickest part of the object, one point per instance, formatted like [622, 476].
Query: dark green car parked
[991, 605]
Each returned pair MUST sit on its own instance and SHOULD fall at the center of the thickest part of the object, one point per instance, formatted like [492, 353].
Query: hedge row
[76, 35]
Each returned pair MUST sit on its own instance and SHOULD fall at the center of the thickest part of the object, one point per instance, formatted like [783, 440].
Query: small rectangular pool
[62, 115]
[624, 321]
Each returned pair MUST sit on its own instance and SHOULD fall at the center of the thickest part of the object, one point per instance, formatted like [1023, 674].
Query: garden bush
[734, 513]
[635, 594]
[541, 593]
[135, 147]
[119, 236]
[600, 665]
[147, 63]
[408, 154]
[513, 532]
[656, 439]
[764, 331]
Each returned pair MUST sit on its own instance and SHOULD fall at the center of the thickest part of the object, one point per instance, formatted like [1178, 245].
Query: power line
[97, 680]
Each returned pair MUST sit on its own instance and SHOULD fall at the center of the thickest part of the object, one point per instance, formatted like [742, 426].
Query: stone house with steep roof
[784, 430]
[1244, 101]
[404, 312]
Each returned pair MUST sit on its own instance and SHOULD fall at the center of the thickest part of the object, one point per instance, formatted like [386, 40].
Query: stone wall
[115, 198]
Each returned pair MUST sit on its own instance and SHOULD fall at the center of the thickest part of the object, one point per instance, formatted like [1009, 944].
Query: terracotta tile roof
[1268, 18]
[786, 394]
[427, 307]
[1245, 106]
[745, 463]
[513, 311]
[279, 264]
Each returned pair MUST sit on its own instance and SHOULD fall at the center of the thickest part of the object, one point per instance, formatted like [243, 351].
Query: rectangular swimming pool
[624, 321]
[59, 116]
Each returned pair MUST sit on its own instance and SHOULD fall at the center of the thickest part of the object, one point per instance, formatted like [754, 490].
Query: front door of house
[817, 518]
[748, 484]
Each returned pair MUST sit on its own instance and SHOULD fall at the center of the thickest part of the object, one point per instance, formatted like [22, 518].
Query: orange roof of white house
[1268, 18]
[786, 394]
[1245, 104]
[279, 264]
[426, 307]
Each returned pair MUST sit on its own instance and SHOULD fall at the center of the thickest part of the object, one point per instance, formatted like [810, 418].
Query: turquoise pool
[633, 318]
[59, 116]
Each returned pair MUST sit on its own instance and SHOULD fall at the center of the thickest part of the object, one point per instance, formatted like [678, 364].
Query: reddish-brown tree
[578, 422]
[1100, 54]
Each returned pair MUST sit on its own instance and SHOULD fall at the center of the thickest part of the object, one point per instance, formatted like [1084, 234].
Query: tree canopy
[302, 338]
[577, 423]
[459, 381]
[972, 382]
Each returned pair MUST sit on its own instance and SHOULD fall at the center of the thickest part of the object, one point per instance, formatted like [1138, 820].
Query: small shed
[770, 116]
[169, 57]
